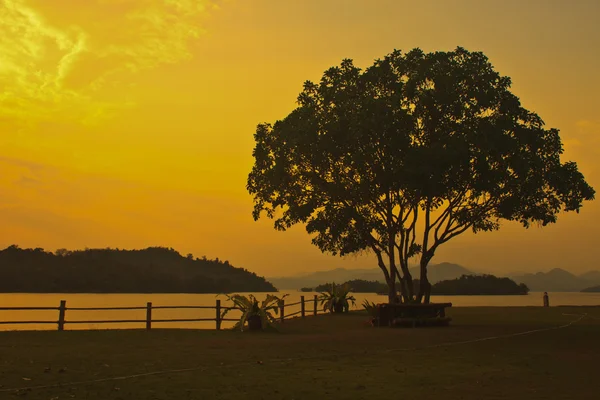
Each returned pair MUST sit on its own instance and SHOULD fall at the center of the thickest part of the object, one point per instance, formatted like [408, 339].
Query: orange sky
[129, 123]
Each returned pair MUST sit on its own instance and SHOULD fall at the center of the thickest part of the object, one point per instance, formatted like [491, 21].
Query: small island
[358, 286]
[468, 285]
[593, 289]
[465, 285]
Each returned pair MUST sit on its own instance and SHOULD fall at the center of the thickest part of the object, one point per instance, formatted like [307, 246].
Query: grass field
[336, 357]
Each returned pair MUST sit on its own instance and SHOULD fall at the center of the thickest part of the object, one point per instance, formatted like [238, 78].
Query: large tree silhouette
[406, 155]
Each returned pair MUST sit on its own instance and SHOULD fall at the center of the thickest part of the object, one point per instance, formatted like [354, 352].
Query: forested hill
[152, 270]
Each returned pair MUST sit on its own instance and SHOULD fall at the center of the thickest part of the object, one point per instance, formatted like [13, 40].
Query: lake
[140, 300]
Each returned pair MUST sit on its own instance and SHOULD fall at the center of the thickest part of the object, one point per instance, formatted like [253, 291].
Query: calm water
[140, 300]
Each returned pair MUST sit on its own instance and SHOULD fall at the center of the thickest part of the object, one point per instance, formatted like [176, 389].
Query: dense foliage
[358, 286]
[406, 155]
[479, 285]
[152, 270]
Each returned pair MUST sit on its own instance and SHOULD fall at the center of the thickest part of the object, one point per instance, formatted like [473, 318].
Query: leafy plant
[336, 298]
[370, 307]
[252, 308]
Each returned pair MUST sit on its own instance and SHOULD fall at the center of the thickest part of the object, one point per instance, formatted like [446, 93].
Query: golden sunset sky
[129, 123]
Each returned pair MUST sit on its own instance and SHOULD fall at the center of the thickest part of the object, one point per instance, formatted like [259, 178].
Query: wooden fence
[62, 313]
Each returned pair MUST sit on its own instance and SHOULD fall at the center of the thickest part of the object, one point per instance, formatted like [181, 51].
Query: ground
[337, 357]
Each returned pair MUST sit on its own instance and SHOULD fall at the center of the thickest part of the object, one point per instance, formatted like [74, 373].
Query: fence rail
[62, 312]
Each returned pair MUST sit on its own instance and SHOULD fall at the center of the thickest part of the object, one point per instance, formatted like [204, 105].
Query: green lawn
[336, 357]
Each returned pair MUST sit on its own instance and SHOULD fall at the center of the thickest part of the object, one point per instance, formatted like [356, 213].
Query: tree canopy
[402, 157]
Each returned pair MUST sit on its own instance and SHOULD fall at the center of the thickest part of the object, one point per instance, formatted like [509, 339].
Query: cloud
[31, 166]
[28, 181]
[65, 58]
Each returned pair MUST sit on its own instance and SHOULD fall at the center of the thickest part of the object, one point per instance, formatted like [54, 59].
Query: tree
[406, 155]
[62, 252]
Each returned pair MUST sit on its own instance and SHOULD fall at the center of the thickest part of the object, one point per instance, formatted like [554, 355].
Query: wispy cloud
[65, 58]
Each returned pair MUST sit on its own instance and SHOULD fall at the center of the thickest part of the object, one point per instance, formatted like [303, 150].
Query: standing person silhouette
[546, 300]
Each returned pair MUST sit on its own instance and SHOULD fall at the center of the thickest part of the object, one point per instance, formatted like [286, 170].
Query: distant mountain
[591, 276]
[151, 270]
[436, 273]
[593, 289]
[442, 272]
[317, 278]
[558, 280]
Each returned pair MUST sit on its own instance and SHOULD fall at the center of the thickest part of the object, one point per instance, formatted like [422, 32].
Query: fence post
[61, 315]
[302, 306]
[282, 309]
[149, 315]
[315, 304]
[218, 319]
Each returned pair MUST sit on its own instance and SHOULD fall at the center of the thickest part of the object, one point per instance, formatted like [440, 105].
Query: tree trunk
[410, 288]
[390, 278]
[403, 292]
[392, 289]
[406, 284]
[405, 289]
[424, 285]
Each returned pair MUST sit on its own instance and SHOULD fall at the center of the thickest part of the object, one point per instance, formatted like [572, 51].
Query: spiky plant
[370, 308]
[250, 306]
[336, 298]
